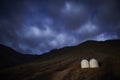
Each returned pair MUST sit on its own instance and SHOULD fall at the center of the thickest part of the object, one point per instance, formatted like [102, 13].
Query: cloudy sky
[38, 26]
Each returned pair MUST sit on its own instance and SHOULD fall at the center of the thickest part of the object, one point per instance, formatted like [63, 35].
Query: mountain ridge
[9, 57]
[64, 63]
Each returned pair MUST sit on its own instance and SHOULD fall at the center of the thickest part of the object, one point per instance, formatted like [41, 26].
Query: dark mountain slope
[9, 57]
[64, 64]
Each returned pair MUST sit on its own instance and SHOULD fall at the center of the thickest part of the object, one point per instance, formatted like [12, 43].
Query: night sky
[38, 26]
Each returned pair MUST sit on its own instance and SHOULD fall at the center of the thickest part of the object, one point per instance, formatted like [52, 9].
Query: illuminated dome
[93, 63]
[84, 63]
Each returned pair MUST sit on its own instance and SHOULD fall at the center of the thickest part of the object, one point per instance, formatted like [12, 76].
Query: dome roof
[84, 63]
[93, 63]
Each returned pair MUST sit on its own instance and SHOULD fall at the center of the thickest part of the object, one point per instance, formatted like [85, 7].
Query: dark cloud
[37, 26]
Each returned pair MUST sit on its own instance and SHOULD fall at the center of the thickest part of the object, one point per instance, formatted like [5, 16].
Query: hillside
[64, 64]
[10, 57]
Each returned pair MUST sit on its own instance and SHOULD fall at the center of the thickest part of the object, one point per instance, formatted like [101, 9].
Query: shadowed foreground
[64, 64]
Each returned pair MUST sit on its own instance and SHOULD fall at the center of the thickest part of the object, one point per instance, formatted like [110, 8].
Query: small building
[94, 63]
[84, 63]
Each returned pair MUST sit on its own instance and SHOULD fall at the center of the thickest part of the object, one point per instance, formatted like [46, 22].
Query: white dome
[84, 63]
[94, 63]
